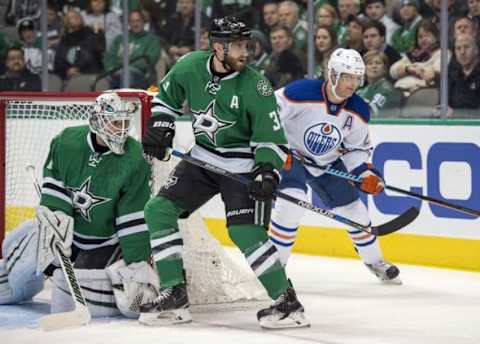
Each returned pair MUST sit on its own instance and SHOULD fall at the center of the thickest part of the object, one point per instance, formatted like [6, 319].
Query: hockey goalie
[95, 185]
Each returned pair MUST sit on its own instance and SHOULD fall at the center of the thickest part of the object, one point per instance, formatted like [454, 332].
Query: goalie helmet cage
[28, 123]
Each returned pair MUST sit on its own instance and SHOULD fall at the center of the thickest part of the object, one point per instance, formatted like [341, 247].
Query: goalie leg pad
[18, 280]
[96, 288]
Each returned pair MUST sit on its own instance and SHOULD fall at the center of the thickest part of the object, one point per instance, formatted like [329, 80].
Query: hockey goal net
[31, 120]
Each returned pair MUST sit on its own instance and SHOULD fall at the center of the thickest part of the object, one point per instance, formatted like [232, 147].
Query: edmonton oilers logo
[322, 138]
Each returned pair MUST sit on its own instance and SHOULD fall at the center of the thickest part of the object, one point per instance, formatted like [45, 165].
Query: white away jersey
[322, 131]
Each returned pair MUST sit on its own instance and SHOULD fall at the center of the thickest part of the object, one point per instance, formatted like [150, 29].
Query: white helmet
[345, 61]
[111, 119]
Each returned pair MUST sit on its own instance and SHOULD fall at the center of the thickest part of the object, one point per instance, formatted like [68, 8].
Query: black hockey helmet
[228, 29]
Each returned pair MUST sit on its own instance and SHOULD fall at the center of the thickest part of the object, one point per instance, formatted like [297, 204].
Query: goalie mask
[345, 61]
[111, 119]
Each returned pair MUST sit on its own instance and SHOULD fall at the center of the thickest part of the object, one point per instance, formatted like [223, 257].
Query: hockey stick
[80, 315]
[384, 229]
[357, 179]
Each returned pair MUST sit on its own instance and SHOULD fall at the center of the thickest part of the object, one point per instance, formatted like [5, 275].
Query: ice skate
[170, 307]
[286, 312]
[386, 272]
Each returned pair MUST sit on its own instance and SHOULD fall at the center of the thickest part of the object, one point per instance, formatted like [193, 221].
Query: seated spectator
[379, 93]
[246, 10]
[54, 26]
[374, 40]
[420, 67]
[289, 68]
[404, 38]
[327, 17]
[346, 9]
[158, 10]
[289, 16]
[141, 43]
[180, 30]
[80, 50]
[281, 40]
[4, 45]
[77, 5]
[204, 44]
[375, 10]
[464, 77]
[17, 77]
[464, 25]
[102, 21]
[354, 38]
[325, 44]
[270, 16]
[18, 10]
[260, 59]
[30, 46]
[474, 12]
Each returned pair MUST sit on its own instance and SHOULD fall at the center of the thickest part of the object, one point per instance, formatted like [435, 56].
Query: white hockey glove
[132, 285]
[55, 230]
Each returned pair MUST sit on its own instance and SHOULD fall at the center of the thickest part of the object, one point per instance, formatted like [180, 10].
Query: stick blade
[397, 223]
[59, 321]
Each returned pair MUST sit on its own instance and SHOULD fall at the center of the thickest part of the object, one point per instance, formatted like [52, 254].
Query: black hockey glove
[158, 136]
[264, 184]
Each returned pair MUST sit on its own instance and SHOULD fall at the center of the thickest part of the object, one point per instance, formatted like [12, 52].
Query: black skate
[386, 272]
[286, 312]
[170, 307]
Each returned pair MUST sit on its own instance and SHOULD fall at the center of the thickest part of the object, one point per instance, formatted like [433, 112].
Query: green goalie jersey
[235, 119]
[105, 193]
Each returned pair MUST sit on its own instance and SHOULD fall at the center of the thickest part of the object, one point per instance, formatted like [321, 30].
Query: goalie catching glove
[372, 180]
[264, 184]
[133, 285]
[55, 232]
[159, 136]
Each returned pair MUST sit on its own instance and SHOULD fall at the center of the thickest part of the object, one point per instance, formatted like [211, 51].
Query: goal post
[29, 121]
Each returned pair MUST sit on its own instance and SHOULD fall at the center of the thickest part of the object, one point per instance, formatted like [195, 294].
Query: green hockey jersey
[105, 193]
[382, 98]
[235, 119]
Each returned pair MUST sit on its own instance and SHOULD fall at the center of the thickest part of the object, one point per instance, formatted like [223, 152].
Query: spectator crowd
[398, 39]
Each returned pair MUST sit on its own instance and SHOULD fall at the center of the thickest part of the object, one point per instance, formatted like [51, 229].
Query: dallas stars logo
[84, 200]
[205, 122]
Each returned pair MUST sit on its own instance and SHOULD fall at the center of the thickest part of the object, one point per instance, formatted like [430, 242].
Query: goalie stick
[357, 179]
[384, 229]
[80, 315]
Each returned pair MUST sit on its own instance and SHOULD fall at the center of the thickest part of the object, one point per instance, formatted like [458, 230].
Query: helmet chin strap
[224, 63]
[333, 87]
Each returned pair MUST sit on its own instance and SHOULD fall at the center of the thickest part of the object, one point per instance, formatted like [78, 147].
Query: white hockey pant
[286, 219]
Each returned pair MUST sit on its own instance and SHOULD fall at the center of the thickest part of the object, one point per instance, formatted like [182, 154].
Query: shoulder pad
[304, 90]
[357, 105]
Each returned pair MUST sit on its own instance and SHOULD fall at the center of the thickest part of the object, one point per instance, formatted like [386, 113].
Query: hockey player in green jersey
[236, 127]
[95, 185]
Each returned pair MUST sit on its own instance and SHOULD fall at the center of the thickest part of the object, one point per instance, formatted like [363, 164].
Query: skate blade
[174, 316]
[294, 320]
[393, 281]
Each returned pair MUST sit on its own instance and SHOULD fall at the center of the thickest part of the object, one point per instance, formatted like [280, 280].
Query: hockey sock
[366, 244]
[262, 257]
[161, 216]
[286, 218]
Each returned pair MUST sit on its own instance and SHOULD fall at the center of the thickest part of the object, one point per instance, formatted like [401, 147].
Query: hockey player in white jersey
[327, 123]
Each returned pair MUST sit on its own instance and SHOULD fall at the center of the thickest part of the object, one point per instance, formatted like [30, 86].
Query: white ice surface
[343, 301]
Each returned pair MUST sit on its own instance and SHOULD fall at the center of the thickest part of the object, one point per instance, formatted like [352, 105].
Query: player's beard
[235, 64]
